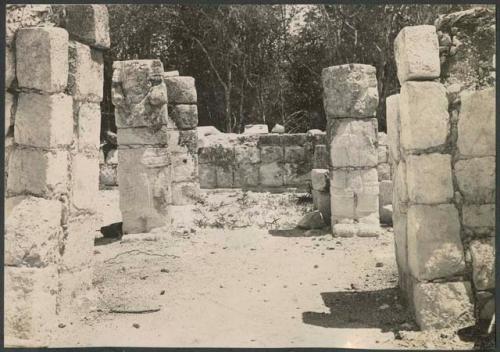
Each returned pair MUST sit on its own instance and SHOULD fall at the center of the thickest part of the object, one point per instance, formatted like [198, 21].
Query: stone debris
[313, 220]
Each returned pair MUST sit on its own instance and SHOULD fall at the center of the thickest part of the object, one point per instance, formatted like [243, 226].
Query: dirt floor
[225, 283]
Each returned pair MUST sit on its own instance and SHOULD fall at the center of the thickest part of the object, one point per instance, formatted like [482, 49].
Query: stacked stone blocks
[53, 177]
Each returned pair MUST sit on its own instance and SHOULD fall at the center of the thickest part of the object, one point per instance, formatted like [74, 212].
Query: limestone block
[32, 231]
[206, 155]
[270, 139]
[225, 176]
[383, 139]
[382, 154]
[171, 74]
[30, 303]
[424, 115]
[321, 201]
[486, 304]
[297, 174]
[476, 123]
[78, 244]
[385, 188]
[143, 136]
[89, 24]
[384, 172]
[294, 154]
[295, 139]
[85, 182]
[89, 126]
[478, 215]
[434, 245]
[353, 143]
[476, 179]
[183, 141]
[86, 73]
[144, 177]
[37, 172]
[443, 305]
[401, 247]
[207, 176]
[246, 175]
[278, 128]
[44, 121]
[42, 58]
[9, 102]
[246, 154]
[429, 178]
[345, 230]
[317, 136]
[416, 49]
[393, 125]
[320, 158]
[483, 264]
[185, 116]
[10, 66]
[108, 175]
[349, 91]
[354, 194]
[369, 230]
[184, 167]
[141, 115]
[184, 193]
[256, 129]
[271, 154]
[133, 81]
[400, 187]
[181, 90]
[320, 180]
[271, 174]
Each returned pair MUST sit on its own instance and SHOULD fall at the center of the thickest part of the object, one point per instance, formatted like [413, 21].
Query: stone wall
[259, 161]
[54, 82]
[442, 148]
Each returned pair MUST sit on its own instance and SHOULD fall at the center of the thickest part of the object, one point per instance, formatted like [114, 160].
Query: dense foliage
[262, 63]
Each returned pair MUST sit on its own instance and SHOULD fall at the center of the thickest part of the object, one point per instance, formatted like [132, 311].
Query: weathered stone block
[476, 123]
[42, 58]
[256, 129]
[37, 172]
[478, 215]
[32, 231]
[385, 188]
[9, 119]
[44, 121]
[89, 24]
[483, 264]
[443, 305]
[382, 139]
[86, 73]
[184, 193]
[350, 91]
[89, 126]
[424, 115]
[384, 172]
[271, 154]
[246, 175]
[10, 66]
[353, 143]
[78, 245]
[141, 115]
[294, 154]
[429, 178]
[144, 177]
[270, 139]
[345, 230]
[184, 167]
[246, 155]
[271, 174]
[401, 247]
[416, 50]
[320, 180]
[133, 81]
[393, 124]
[225, 176]
[278, 128]
[320, 158]
[181, 90]
[382, 154]
[295, 139]
[184, 142]
[143, 136]
[207, 176]
[30, 303]
[85, 182]
[185, 116]
[476, 179]
[297, 174]
[400, 188]
[434, 245]
[486, 304]
[321, 201]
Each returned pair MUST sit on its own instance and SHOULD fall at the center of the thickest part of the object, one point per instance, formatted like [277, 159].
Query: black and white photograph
[229, 175]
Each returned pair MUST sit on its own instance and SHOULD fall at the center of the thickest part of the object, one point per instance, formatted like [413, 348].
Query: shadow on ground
[380, 309]
[296, 232]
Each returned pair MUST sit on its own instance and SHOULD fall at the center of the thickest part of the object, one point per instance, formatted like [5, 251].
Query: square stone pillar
[350, 98]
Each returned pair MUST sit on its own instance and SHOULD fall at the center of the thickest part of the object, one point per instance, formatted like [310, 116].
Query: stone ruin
[439, 153]
[54, 85]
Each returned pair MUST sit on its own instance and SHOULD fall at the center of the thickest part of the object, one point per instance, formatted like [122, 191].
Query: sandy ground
[260, 286]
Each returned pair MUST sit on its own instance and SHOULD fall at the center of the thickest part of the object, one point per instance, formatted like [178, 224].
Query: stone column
[144, 157]
[427, 227]
[350, 100]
